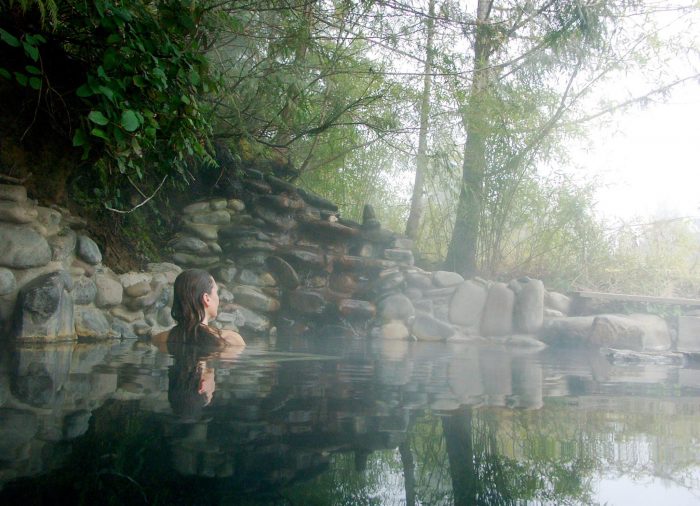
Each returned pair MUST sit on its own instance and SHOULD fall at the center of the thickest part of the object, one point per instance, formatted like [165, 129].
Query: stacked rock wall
[284, 258]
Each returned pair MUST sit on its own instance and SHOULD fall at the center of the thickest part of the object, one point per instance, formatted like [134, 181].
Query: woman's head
[196, 299]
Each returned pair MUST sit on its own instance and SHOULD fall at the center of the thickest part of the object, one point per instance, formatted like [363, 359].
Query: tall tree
[417, 200]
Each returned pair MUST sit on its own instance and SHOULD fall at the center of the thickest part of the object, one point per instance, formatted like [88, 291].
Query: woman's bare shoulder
[161, 337]
[232, 338]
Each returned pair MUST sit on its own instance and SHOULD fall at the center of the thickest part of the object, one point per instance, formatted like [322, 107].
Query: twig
[138, 205]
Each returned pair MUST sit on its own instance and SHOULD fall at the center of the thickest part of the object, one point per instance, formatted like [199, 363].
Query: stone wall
[285, 261]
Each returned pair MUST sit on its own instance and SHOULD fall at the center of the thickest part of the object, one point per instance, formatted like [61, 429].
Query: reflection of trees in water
[497, 456]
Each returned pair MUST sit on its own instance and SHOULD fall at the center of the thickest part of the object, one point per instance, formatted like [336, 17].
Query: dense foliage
[349, 97]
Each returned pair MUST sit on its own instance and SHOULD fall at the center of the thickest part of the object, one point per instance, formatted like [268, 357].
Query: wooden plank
[621, 297]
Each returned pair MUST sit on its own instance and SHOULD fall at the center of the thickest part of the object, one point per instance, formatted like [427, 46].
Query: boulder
[8, 283]
[90, 322]
[196, 207]
[395, 307]
[221, 217]
[443, 279]
[467, 305]
[427, 328]
[253, 298]
[190, 244]
[394, 330]
[12, 212]
[307, 301]
[195, 260]
[497, 319]
[248, 277]
[201, 230]
[558, 302]
[44, 309]
[571, 331]
[401, 256]
[88, 250]
[136, 284]
[50, 218]
[22, 247]
[225, 273]
[528, 313]
[359, 309]
[243, 317]
[63, 244]
[638, 332]
[84, 290]
[109, 290]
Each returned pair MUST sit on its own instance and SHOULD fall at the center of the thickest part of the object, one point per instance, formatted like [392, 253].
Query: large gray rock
[497, 319]
[395, 307]
[246, 318]
[203, 231]
[44, 309]
[307, 301]
[63, 244]
[190, 244]
[22, 247]
[638, 332]
[528, 313]
[136, 284]
[443, 279]
[109, 290]
[248, 277]
[8, 283]
[84, 290]
[427, 328]
[253, 298]
[467, 306]
[12, 212]
[221, 217]
[90, 322]
[49, 218]
[195, 260]
[558, 302]
[394, 330]
[88, 250]
[572, 331]
[285, 273]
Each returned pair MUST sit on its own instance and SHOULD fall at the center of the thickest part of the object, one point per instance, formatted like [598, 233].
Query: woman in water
[195, 304]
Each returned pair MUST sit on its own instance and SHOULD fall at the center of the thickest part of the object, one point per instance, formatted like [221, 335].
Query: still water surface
[344, 422]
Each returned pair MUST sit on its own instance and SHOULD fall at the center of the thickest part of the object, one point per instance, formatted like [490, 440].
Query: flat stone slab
[688, 334]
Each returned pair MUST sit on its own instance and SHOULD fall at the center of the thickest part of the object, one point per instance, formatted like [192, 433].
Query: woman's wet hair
[188, 309]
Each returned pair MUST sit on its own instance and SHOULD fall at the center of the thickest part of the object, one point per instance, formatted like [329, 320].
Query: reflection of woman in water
[195, 304]
[190, 382]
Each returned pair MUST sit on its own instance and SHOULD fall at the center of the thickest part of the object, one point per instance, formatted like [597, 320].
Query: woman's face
[211, 302]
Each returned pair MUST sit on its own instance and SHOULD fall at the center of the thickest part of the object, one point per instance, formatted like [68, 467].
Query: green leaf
[98, 117]
[4, 73]
[79, 138]
[35, 83]
[21, 78]
[129, 121]
[33, 70]
[31, 51]
[84, 91]
[194, 77]
[8, 38]
[98, 132]
[107, 92]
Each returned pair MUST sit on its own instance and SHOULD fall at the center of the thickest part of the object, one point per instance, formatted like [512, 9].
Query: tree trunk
[462, 251]
[457, 430]
[417, 201]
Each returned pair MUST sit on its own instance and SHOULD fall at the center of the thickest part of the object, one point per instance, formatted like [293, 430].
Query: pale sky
[648, 160]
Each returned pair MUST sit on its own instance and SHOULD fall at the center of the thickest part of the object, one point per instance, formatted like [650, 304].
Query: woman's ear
[206, 299]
